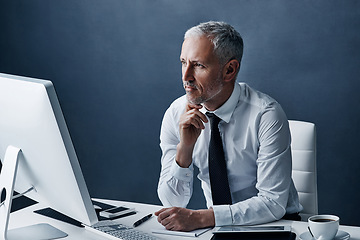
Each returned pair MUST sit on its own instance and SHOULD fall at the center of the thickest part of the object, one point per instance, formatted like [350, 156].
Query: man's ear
[231, 69]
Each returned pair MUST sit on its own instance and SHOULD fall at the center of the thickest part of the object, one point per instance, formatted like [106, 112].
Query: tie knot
[214, 120]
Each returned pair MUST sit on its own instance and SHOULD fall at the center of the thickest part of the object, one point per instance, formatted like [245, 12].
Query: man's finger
[196, 122]
[190, 106]
[199, 114]
[160, 211]
[162, 214]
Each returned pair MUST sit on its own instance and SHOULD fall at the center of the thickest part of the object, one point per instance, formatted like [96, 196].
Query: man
[254, 134]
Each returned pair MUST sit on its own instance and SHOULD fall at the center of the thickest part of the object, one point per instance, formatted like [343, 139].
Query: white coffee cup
[324, 227]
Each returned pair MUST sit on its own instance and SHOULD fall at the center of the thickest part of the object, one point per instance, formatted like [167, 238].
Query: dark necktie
[217, 165]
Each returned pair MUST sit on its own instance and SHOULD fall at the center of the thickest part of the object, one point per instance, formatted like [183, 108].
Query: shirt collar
[226, 110]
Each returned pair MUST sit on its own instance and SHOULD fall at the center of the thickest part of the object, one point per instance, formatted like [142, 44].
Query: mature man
[243, 152]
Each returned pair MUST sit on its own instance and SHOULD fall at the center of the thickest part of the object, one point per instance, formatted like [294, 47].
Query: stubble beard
[211, 92]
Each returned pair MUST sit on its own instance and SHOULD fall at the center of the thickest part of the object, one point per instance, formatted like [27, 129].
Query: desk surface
[26, 217]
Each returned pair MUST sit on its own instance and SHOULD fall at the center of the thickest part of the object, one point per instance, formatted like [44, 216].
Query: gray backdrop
[115, 66]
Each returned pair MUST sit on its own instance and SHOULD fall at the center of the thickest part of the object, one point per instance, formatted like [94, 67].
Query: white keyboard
[120, 231]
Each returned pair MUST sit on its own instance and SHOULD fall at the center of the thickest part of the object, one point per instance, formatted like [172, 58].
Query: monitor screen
[32, 120]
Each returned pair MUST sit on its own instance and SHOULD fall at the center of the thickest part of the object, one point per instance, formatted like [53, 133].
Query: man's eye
[199, 65]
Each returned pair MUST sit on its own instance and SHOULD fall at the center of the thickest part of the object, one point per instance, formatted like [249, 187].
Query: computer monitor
[31, 119]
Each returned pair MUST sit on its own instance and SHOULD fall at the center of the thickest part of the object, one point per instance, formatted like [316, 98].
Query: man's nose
[188, 73]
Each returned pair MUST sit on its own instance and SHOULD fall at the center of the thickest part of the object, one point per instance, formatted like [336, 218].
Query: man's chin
[195, 101]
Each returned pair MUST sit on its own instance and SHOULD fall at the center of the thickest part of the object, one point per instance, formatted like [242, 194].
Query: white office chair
[303, 149]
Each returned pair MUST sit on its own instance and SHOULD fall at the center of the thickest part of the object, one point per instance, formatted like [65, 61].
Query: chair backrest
[303, 149]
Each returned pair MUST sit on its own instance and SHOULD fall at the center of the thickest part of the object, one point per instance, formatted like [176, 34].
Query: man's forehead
[197, 47]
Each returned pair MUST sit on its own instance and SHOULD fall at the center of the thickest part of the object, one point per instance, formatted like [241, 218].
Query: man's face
[201, 71]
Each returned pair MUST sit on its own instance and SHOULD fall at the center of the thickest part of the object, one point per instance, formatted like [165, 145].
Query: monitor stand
[7, 182]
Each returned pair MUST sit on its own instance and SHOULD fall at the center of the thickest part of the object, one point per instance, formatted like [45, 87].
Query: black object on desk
[103, 206]
[49, 212]
[255, 236]
[144, 219]
[21, 202]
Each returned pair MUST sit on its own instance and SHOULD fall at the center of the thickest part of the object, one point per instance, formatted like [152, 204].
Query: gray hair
[228, 43]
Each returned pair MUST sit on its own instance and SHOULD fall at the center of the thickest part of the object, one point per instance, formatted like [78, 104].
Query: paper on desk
[195, 233]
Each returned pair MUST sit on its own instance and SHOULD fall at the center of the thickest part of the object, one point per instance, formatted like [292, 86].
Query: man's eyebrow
[193, 61]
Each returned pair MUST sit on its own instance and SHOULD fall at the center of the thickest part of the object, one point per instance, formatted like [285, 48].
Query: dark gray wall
[115, 66]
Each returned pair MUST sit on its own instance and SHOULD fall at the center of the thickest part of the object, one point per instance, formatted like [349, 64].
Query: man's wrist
[205, 218]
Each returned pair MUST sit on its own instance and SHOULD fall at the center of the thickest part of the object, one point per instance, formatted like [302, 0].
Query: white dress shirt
[256, 140]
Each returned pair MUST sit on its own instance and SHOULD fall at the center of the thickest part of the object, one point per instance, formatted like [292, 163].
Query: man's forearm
[205, 218]
[184, 155]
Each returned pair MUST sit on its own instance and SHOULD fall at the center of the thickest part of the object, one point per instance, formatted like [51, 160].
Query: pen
[310, 232]
[144, 219]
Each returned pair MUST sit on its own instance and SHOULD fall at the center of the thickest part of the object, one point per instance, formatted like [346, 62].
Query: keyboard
[120, 231]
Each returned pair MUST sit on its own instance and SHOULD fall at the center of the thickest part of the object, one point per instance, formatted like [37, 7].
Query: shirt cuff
[223, 216]
[183, 174]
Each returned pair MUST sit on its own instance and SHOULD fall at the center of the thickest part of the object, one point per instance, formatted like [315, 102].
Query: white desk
[26, 217]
